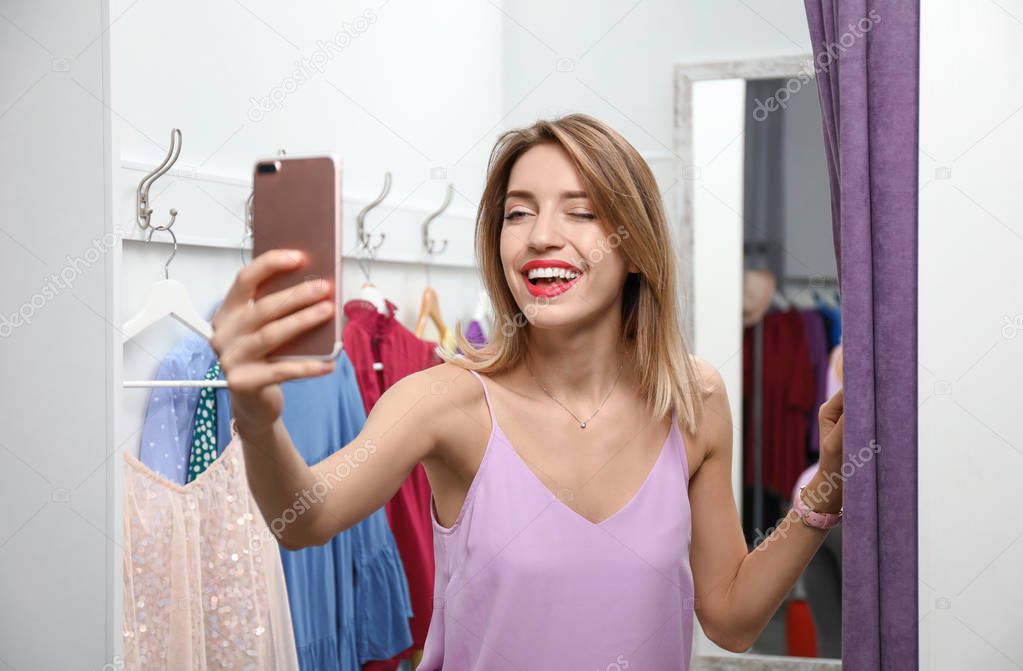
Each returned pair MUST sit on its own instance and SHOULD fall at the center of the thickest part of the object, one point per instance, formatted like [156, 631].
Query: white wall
[422, 87]
[971, 336]
[809, 242]
[56, 555]
[372, 83]
[616, 59]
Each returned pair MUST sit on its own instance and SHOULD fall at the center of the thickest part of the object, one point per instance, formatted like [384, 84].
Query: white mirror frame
[685, 75]
[727, 305]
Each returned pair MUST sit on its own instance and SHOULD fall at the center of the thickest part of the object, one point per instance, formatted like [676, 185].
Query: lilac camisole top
[525, 582]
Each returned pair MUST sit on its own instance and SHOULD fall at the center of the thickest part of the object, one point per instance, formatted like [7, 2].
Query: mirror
[756, 221]
[410, 108]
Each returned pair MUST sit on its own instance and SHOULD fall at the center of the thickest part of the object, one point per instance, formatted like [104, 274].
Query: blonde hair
[626, 197]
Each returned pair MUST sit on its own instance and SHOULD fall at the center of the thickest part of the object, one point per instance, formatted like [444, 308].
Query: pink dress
[203, 584]
[525, 582]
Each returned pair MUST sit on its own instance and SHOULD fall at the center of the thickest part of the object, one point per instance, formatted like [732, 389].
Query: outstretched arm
[306, 505]
[737, 592]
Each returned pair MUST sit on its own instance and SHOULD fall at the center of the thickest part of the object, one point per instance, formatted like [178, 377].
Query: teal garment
[349, 598]
[170, 414]
[204, 428]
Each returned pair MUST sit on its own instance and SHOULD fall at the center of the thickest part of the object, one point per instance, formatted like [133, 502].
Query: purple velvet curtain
[867, 72]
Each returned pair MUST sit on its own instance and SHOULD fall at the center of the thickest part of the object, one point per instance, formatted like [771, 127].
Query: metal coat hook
[174, 250]
[143, 212]
[248, 226]
[360, 225]
[428, 244]
[248, 212]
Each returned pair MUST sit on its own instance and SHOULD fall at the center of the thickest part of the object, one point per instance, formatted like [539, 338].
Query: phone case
[297, 205]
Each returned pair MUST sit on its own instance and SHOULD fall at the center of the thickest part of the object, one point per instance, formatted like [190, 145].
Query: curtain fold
[866, 57]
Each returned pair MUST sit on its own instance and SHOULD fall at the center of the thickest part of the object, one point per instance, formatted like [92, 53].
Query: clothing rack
[810, 281]
[758, 387]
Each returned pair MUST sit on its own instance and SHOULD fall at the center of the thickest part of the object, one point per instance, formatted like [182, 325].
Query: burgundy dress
[369, 337]
[788, 395]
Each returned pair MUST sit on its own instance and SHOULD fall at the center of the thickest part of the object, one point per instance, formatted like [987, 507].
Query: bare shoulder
[445, 401]
[709, 377]
[714, 432]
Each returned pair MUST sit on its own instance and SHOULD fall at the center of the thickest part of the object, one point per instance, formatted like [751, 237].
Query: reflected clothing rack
[758, 382]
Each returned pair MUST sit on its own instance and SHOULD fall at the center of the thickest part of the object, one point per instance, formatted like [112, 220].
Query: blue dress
[833, 324]
[167, 431]
[349, 598]
[170, 413]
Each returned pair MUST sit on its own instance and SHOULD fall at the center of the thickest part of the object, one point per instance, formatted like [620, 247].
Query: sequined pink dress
[203, 584]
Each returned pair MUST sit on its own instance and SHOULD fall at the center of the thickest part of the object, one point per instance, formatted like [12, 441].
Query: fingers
[284, 302]
[833, 408]
[258, 271]
[256, 376]
[255, 345]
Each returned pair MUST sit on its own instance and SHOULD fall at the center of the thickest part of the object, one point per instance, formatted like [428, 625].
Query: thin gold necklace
[582, 422]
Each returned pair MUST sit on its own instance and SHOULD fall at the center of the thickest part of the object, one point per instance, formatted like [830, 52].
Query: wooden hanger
[431, 303]
[430, 308]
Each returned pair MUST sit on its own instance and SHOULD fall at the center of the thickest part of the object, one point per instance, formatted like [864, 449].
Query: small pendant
[582, 425]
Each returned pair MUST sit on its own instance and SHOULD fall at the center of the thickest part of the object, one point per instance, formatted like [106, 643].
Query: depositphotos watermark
[620, 664]
[310, 66]
[831, 52]
[857, 460]
[307, 499]
[595, 256]
[59, 282]
[1012, 326]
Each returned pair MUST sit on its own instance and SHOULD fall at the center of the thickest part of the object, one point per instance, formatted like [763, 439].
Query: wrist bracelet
[812, 518]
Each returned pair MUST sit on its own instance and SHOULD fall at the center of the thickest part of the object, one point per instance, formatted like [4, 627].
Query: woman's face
[563, 265]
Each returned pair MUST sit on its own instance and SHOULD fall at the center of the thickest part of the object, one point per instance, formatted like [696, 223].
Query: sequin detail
[203, 583]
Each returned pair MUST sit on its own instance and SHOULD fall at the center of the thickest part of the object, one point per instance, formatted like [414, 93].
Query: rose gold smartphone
[297, 205]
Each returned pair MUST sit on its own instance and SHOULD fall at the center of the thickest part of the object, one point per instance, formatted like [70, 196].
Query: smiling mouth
[553, 285]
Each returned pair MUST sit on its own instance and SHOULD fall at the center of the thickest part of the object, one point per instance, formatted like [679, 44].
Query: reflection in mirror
[764, 285]
[791, 336]
[247, 512]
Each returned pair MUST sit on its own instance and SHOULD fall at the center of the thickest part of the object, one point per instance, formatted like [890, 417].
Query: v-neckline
[557, 501]
[200, 479]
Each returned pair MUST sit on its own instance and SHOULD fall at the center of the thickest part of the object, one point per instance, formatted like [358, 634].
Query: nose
[544, 232]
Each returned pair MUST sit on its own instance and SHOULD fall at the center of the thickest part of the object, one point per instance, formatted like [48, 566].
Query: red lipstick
[549, 287]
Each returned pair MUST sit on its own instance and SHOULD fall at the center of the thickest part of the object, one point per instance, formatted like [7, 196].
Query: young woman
[580, 462]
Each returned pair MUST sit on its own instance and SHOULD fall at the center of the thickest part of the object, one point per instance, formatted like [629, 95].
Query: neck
[578, 366]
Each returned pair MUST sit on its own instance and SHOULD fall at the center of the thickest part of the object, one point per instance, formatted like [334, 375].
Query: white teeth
[562, 273]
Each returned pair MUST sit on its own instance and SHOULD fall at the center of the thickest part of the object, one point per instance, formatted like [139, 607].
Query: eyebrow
[565, 195]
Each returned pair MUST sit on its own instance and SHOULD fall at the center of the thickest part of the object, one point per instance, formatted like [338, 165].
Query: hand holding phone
[245, 330]
[297, 206]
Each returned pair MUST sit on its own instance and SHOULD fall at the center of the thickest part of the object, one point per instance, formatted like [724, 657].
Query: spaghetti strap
[486, 395]
[681, 444]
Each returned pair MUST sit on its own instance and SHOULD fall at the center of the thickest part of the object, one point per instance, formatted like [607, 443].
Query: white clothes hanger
[828, 298]
[780, 300]
[167, 298]
[371, 292]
